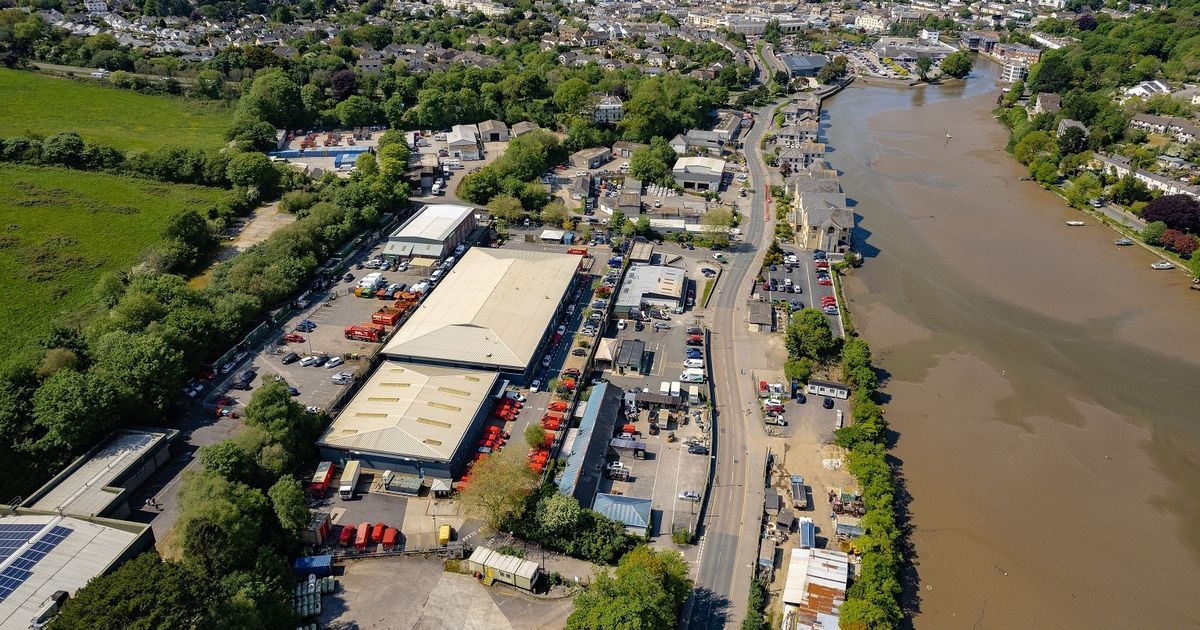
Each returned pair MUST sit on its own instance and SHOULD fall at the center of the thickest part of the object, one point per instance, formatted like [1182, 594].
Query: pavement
[732, 521]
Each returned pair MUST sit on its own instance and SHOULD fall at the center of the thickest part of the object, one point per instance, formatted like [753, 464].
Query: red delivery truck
[321, 479]
[377, 533]
[346, 536]
[365, 332]
[360, 539]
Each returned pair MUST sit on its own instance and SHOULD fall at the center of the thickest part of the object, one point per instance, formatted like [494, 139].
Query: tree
[252, 170]
[1072, 140]
[1052, 74]
[289, 504]
[1179, 212]
[1086, 22]
[535, 435]
[358, 111]
[1083, 189]
[1152, 232]
[648, 167]
[507, 208]
[275, 98]
[555, 213]
[1034, 146]
[343, 84]
[142, 369]
[222, 523]
[809, 335]
[1044, 171]
[499, 484]
[1182, 244]
[647, 591]
[957, 64]
[833, 70]
[145, 592]
[572, 95]
[65, 148]
[924, 65]
[69, 411]
[558, 513]
[1129, 190]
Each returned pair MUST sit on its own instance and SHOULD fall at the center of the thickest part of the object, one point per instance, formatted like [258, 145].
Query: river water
[1045, 383]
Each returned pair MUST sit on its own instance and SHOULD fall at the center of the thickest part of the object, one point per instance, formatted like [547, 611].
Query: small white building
[462, 143]
[433, 232]
[609, 109]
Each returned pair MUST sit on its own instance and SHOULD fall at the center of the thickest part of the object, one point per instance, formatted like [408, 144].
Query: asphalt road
[730, 531]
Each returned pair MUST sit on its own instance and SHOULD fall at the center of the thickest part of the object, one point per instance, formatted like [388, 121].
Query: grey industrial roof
[585, 465]
[651, 280]
[802, 63]
[84, 550]
[433, 222]
[89, 490]
[412, 410]
[629, 511]
[630, 352]
[492, 309]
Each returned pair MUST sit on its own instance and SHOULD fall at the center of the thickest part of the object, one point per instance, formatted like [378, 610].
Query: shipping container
[320, 566]
[444, 534]
[361, 536]
[808, 533]
[386, 316]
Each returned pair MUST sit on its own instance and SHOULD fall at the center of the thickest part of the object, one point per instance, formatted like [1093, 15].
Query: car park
[290, 358]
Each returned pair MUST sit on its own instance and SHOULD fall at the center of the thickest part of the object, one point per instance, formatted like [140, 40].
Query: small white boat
[1123, 242]
[1075, 223]
[1162, 265]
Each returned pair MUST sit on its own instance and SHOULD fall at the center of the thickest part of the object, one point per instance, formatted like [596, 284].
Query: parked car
[341, 378]
[292, 391]
[830, 310]
[349, 277]
[228, 367]
[662, 326]
[698, 449]
[293, 338]
[827, 403]
[334, 362]
[639, 326]
[693, 353]
[824, 281]
[694, 330]
[290, 358]
[546, 361]
[621, 324]
[308, 361]
[321, 360]
[572, 372]
[689, 495]
[517, 396]
[579, 352]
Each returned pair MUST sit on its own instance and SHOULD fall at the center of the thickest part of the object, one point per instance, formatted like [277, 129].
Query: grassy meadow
[62, 229]
[36, 104]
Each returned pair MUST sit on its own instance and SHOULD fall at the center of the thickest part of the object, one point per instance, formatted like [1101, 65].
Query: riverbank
[1043, 383]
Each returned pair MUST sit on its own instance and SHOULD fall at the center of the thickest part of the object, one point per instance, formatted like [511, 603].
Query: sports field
[32, 103]
[61, 229]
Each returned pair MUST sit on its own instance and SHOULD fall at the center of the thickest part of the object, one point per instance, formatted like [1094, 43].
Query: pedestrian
[149, 503]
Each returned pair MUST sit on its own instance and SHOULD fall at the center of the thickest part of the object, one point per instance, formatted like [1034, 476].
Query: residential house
[365, 65]
[609, 109]
[1047, 103]
[1014, 70]
[870, 23]
[803, 131]
[1180, 129]
[801, 155]
[1118, 166]
[804, 106]
[1146, 89]
[1067, 123]
[824, 221]
[1028, 54]
[979, 41]
[656, 60]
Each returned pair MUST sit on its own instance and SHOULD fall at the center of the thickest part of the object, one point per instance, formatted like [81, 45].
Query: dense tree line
[558, 523]
[241, 515]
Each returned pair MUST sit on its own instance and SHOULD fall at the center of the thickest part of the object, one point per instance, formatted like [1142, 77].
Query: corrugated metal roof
[629, 511]
[86, 491]
[492, 309]
[583, 470]
[412, 410]
[815, 588]
[433, 223]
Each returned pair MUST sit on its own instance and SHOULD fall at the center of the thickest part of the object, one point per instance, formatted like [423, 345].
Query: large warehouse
[433, 232]
[412, 419]
[493, 311]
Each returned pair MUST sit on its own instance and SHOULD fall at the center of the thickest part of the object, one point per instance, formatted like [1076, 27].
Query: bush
[682, 536]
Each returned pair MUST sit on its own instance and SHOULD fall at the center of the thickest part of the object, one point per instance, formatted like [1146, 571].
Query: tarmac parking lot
[804, 278]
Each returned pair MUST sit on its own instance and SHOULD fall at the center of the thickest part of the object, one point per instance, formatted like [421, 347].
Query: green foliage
[666, 104]
[155, 593]
[1128, 190]
[647, 591]
[358, 111]
[798, 369]
[833, 71]
[535, 435]
[557, 522]
[756, 605]
[653, 164]
[506, 208]
[515, 173]
[289, 504]
[1044, 171]
[957, 64]
[1083, 189]
[500, 484]
[1034, 146]
[809, 335]
[1152, 232]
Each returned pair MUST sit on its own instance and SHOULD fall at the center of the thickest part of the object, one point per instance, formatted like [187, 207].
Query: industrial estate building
[412, 419]
[432, 233]
[815, 589]
[699, 173]
[70, 530]
[651, 286]
[494, 311]
[585, 449]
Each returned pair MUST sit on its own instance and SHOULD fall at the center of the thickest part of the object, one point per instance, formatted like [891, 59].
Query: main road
[730, 531]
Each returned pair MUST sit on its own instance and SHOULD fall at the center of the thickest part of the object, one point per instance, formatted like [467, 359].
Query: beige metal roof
[491, 310]
[411, 410]
[88, 491]
[704, 165]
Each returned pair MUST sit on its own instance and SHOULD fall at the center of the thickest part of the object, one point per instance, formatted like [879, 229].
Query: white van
[436, 275]
[692, 375]
[693, 363]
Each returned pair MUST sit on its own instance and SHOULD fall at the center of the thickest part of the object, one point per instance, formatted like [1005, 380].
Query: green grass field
[31, 103]
[61, 229]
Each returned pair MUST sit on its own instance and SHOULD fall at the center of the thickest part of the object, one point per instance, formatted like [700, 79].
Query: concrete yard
[372, 596]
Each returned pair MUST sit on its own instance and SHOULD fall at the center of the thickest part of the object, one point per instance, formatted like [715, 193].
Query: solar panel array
[13, 537]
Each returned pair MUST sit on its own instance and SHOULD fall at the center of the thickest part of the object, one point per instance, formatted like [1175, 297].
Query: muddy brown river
[1045, 383]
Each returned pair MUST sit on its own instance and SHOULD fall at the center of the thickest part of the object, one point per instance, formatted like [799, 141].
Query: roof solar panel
[13, 576]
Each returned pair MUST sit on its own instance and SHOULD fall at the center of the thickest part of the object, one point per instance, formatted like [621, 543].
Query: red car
[293, 338]
[573, 372]
[821, 264]
[766, 286]
[824, 281]
[828, 299]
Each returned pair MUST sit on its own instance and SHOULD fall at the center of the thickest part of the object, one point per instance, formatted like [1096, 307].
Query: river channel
[1045, 384]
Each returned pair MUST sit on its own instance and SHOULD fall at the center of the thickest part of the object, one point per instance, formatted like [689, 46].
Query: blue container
[320, 566]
